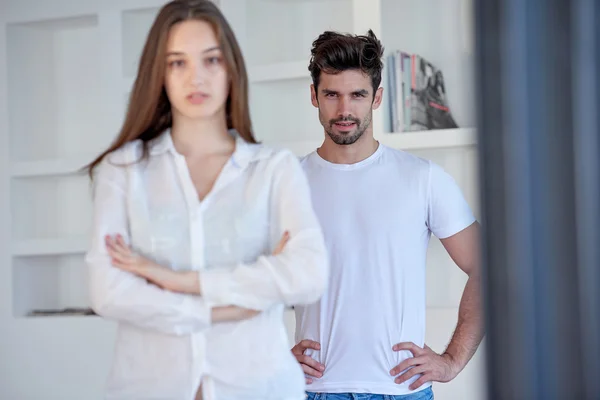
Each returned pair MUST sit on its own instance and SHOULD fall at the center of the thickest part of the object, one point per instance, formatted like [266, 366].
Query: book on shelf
[417, 94]
[61, 312]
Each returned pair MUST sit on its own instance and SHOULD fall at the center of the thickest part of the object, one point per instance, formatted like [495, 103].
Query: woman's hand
[124, 258]
[282, 242]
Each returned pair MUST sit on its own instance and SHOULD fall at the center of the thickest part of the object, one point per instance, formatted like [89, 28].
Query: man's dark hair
[334, 52]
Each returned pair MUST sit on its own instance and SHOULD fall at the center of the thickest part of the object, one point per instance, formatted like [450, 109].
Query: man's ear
[313, 96]
[377, 98]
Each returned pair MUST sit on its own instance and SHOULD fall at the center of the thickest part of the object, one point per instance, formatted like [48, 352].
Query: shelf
[54, 104]
[434, 139]
[423, 140]
[48, 282]
[62, 321]
[41, 247]
[62, 312]
[279, 71]
[52, 167]
[284, 31]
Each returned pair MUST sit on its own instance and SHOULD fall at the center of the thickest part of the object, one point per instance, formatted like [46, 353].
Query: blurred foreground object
[537, 72]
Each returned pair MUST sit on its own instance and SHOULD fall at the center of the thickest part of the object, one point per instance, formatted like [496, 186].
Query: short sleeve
[447, 210]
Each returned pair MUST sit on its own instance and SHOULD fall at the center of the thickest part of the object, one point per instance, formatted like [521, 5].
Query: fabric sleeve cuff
[199, 310]
[216, 287]
[454, 229]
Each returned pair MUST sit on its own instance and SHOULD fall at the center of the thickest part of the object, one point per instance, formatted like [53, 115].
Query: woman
[190, 253]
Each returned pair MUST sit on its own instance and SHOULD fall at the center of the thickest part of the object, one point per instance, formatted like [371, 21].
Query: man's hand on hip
[309, 365]
[431, 366]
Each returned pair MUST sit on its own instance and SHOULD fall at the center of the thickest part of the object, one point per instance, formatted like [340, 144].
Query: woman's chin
[198, 113]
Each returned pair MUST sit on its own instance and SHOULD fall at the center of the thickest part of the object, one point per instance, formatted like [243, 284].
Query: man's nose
[344, 107]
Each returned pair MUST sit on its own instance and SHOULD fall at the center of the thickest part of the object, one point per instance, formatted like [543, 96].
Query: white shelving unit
[66, 69]
[279, 74]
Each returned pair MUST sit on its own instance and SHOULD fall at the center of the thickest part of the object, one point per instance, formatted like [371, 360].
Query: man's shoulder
[397, 158]
[306, 160]
[306, 157]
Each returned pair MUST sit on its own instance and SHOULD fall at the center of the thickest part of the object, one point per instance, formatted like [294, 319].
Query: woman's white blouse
[166, 344]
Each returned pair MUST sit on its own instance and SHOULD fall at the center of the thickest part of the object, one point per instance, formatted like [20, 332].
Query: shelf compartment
[406, 26]
[48, 283]
[36, 247]
[56, 207]
[55, 89]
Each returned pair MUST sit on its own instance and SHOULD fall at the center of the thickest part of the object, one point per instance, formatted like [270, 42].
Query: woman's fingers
[282, 242]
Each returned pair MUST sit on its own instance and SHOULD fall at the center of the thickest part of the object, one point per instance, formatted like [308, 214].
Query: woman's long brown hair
[149, 110]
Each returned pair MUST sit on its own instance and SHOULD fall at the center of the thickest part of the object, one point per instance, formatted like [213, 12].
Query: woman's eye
[177, 63]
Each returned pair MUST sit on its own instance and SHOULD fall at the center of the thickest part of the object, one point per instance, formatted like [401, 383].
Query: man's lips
[345, 125]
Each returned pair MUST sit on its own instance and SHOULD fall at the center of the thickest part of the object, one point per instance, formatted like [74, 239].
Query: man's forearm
[470, 328]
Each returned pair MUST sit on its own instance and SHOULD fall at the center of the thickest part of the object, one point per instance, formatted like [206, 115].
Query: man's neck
[353, 153]
[197, 138]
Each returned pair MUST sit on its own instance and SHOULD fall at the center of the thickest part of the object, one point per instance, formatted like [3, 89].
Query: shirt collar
[244, 152]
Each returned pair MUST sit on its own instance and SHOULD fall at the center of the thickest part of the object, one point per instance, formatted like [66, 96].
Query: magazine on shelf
[417, 96]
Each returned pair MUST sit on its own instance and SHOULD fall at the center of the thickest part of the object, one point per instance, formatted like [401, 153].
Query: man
[377, 207]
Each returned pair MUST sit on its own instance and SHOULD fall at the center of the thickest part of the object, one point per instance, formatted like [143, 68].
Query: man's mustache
[345, 119]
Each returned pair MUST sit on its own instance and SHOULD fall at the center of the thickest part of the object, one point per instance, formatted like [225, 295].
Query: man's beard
[350, 137]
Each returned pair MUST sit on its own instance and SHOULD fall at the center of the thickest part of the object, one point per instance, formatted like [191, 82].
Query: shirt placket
[199, 366]
[196, 210]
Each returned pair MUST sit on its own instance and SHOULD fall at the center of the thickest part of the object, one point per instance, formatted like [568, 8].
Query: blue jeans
[425, 394]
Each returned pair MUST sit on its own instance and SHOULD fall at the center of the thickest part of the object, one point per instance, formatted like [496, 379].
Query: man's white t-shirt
[377, 216]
